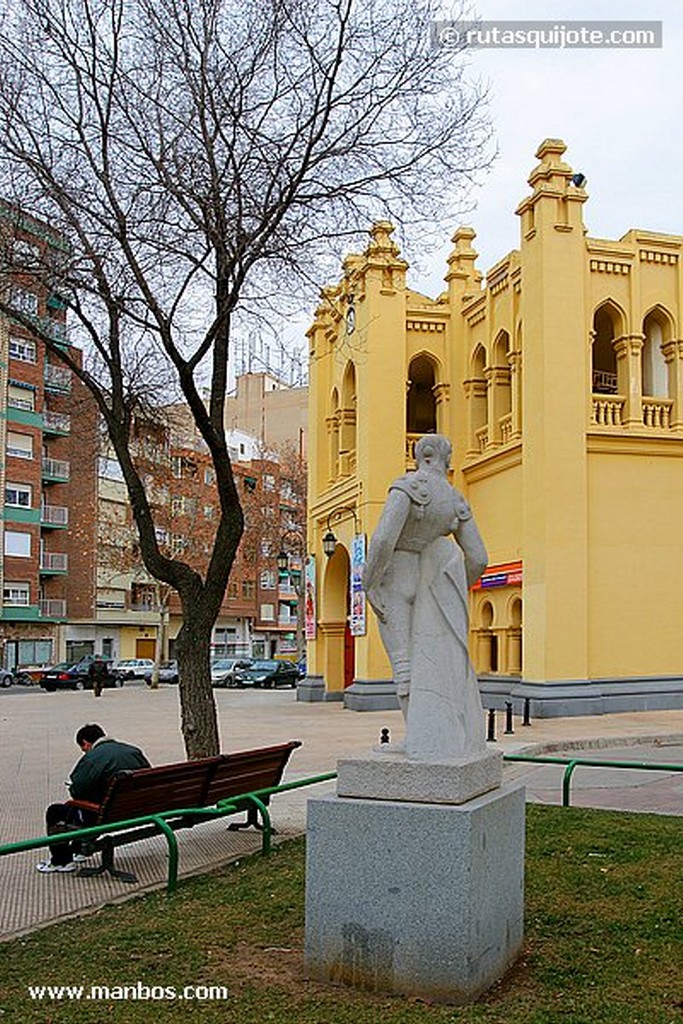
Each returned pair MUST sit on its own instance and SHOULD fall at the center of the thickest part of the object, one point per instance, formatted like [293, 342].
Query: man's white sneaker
[46, 867]
[78, 858]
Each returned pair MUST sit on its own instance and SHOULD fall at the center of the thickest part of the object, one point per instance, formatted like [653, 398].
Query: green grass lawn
[604, 942]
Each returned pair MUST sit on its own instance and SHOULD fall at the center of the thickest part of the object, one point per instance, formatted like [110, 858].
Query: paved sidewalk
[37, 752]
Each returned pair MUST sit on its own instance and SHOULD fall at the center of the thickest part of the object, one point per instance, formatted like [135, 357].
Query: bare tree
[198, 158]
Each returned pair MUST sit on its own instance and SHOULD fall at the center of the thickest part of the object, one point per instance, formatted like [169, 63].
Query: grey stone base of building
[312, 689]
[573, 697]
[429, 899]
[371, 695]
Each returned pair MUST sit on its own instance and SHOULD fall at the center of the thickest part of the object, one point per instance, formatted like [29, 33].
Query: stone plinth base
[420, 899]
[371, 695]
[312, 689]
[569, 697]
[391, 776]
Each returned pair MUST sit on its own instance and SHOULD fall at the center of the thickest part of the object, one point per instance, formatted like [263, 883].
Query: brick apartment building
[72, 578]
[134, 615]
[47, 470]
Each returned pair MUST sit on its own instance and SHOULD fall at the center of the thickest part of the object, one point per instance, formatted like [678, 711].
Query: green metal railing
[223, 809]
[258, 798]
[572, 763]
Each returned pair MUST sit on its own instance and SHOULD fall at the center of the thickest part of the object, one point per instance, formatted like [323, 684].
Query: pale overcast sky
[618, 111]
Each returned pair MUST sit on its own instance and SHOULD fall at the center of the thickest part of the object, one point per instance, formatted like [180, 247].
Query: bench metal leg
[251, 821]
[107, 865]
[256, 807]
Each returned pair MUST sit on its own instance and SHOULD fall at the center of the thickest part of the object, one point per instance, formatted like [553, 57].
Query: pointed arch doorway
[339, 644]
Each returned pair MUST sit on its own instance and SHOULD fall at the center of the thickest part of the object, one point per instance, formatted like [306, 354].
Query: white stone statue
[416, 580]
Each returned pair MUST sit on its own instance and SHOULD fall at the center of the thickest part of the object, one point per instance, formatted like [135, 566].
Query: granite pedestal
[417, 898]
[386, 775]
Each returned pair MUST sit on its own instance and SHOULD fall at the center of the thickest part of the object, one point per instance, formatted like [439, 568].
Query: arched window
[347, 422]
[606, 327]
[333, 436]
[489, 639]
[487, 615]
[347, 439]
[514, 666]
[421, 400]
[501, 393]
[656, 331]
[475, 389]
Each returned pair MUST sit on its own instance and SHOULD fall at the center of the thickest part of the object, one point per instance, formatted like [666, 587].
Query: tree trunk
[197, 707]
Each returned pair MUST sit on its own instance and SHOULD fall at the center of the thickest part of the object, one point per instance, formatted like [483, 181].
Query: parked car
[268, 674]
[168, 672]
[22, 677]
[69, 676]
[6, 677]
[132, 668]
[224, 670]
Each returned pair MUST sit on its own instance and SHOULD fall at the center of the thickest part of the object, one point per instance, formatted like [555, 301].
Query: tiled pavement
[37, 752]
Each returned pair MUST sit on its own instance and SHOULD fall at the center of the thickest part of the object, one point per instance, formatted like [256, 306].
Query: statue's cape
[417, 487]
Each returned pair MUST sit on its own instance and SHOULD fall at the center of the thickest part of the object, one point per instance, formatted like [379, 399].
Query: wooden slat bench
[186, 785]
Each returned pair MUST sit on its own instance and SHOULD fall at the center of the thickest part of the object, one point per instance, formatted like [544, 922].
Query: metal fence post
[491, 733]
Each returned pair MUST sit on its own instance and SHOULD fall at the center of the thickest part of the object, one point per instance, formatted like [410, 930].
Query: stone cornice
[607, 249]
[483, 466]
[635, 444]
[342, 492]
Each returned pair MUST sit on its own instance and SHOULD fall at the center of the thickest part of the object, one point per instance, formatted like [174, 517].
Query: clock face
[351, 320]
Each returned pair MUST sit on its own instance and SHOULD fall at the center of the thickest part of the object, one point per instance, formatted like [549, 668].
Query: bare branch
[197, 158]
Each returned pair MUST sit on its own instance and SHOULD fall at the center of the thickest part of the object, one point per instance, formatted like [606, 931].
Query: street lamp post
[329, 540]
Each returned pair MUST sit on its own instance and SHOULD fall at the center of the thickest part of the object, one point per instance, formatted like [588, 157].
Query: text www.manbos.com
[78, 993]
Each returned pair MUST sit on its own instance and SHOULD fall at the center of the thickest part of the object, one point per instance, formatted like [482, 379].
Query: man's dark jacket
[90, 778]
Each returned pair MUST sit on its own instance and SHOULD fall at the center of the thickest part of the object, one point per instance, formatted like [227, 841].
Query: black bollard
[508, 718]
[384, 736]
[491, 734]
[527, 711]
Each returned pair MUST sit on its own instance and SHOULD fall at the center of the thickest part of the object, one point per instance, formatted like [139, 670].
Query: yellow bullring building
[559, 380]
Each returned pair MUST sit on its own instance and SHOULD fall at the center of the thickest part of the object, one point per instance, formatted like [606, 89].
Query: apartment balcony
[605, 382]
[134, 615]
[19, 613]
[411, 441]
[52, 608]
[287, 621]
[54, 517]
[56, 422]
[55, 471]
[347, 463]
[482, 436]
[57, 379]
[506, 428]
[655, 414]
[53, 563]
[54, 328]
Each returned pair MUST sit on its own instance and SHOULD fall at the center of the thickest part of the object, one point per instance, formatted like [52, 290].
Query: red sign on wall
[509, 574]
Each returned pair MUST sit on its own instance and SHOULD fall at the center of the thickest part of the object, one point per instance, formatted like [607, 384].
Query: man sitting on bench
[102, 758]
